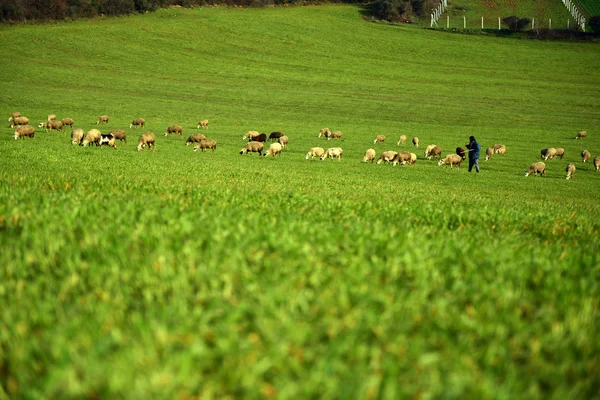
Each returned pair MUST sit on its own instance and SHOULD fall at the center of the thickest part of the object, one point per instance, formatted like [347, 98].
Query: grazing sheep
[548, 153]
[283, 141]
[581, 135]
[451, 160]
[274, 149]
[402, 140]
[275, 135]
[51, 117]
[434, 152]
[50, 125]
[77, 136]
[250, 134]
[560, 152]
[428, 149]
[206, 144]
[203, 124]
[174, 129]
[24, 131]
[67, 122]
[108, 140]
[119, 134]
[499, 149]
[461, 152]
[146, 139]
[14, 115]
[195, 138]
[103, 119]
[92, 136]
[315, 152]
[253, 147]
[415, 141]
[325, 132]
[387, 156]
[369, 156]
[585, 155]
[402, 157]
[570, 170]
[333, 152]
[536, 168]
[597, 163]
[379, 139]
[489, 152]
[138, 123]
[335, 135]
[19, 121]
[413, 159]
[260, 138]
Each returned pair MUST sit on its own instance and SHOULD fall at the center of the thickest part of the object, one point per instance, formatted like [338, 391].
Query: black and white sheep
[536, 168]
[24, 131]
[253, 147]
[315, 152]
[108, 140]
[146, 139]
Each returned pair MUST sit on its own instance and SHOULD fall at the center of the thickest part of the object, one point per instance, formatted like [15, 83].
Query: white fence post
[549, 23]
[464, 22]
[498, 23]
[532, 23]
[438, 11]
[482, 23]
[575, 13]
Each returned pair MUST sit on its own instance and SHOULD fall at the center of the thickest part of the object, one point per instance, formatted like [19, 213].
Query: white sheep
[597, 163]
[77, 136]
[333, 152]
[202, 124]
[560, 152]
[369, 156]
[51, 117]
[67, 122]
[379, 139]
[146, 139]
[413, 159]
[536, 168]
[92, 136]
[570, 170]
[283, 141]
[315, 152]
[14, 115]
[581, 135]
[274, 149]
[499, 148]
[50, 125]
[250, 135]
[451, 160]
[415, 141]
[548, 153]
[402, 140]
[253, 147]
[585, 156]
[387, 156]
[489, 152]
[24, 131]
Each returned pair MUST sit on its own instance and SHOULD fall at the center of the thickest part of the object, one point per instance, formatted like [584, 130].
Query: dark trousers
[473, 162]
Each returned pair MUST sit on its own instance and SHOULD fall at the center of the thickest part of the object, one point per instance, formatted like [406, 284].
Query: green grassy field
[181, 274]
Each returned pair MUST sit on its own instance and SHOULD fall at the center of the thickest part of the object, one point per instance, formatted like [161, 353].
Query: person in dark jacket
[474, 149]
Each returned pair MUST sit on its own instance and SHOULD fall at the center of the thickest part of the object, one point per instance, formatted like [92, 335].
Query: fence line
[535, 24]
[575, 13]
[437, 12]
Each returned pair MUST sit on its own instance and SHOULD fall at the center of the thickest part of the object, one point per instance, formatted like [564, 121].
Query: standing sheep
[283, 141]
[570, 170]
[433, 151]
[402, 140]
[67, 122]
[275, 135]
[489, 152]
[77, 136]
[335, 135]
[51, 117]
[548, 153]
[325, 132]
[369, 156]
[103, 119]
[250, 134]
[585, 155]
[415, 141]
[24, 131]
[50, 125]
[451, 160]
[206, 144]
[195, 138]
[413, 159]
[333, 152]
[203, 124]
[315, 152]
[461, 152]
[174, 129]
[260, 138]
[581, 135]
[499, 149]
[379, 139]
[137, 123]
[92, 136]
[14, 115]
[108, 140]
[146, 139]
[536, 168]
[274, 149]
[597, 163]
[387, 156]
[19, 121]
[253, 147]
[119, 134]
[402, 157]
[560, 152]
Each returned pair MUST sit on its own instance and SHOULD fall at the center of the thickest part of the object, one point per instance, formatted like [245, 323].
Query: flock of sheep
[256, 144]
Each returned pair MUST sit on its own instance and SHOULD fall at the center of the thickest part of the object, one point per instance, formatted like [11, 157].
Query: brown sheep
[315, 152]
[434, 152]
[387, 156]
[548, 153]
[335, 135]
[19, 121]
[275, 135]
[119, 134]
[415, 141]
[50, 125]
[103, 119]
[250, 134]
[489, 152]
[536, 168]
[499, 149]
[379, 139]
[560, 152]
[14, 115]
[581, 135]
[174, 129]
[147, 139]
[451, 160]
[24, 131]
[597, 163]
[402, 140]
[195, 138]
[92, 136]
[585, 155]
[206, 144]
[67, 122]
[77, 136]
[461, 152]
[138, 123]
[369, 156]
[253, 147]
[403, 157]
[325, 132]
[570, 170]
[203, 124]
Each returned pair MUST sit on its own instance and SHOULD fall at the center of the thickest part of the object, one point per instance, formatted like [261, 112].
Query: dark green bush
[516, 24]
[594, 24]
